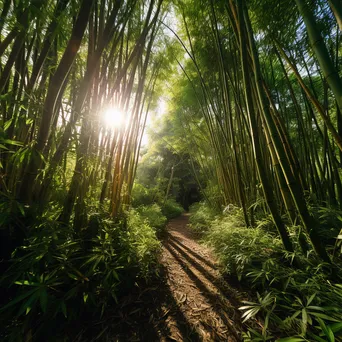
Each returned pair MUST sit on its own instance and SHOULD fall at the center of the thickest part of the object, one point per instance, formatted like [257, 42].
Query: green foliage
[201, 217]
[330, 220]
[151, 201]
[61, 275]
[165, 171]
[171, 208]
[55, 152]
[143, 240]
[297, 295]
[240, 247]
[142, 195]
[151, 205]
[154, 217]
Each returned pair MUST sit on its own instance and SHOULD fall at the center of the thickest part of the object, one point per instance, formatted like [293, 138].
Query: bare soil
[191, 301]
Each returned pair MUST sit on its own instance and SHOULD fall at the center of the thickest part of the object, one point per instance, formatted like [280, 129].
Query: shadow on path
[218, 282]
[216, 303]
[190, 301]
[192, 252]
[153, 315]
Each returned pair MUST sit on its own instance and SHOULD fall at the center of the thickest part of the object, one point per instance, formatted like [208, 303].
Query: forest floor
[191, 301]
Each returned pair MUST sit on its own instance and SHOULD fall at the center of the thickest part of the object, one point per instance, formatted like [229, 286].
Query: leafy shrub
[142, 195]
[330, 221]
[172, 209]
[301, 300]
[144, 242]
[239, 247]
[59, 276]
[201, 217]
[154, 216]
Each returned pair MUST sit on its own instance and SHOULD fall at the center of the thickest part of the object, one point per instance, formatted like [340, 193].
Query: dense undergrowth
[62, 277]
[296, 296]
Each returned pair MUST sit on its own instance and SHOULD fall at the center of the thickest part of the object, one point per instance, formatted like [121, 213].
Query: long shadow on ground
[215, 301]
[152, 314]
[190, 257]
[193, 253]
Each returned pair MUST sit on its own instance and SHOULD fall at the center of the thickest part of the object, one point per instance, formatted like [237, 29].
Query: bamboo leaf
[43, 299]
[18, 299]
[291, 339]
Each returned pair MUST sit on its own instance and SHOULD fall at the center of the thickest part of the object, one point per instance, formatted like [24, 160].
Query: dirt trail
[192, 302]
[204, 297]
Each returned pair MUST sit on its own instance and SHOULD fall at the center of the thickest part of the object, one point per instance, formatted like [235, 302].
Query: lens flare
[114, 117]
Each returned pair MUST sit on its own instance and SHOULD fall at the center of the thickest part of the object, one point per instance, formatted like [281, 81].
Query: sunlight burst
[114, 117]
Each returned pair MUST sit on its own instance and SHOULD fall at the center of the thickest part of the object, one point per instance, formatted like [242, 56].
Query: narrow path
[191, 302]
[204, 297]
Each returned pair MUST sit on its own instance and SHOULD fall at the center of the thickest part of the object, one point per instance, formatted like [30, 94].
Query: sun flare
[114, 117]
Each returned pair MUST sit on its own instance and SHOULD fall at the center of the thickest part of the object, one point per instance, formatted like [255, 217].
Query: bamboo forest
[170, 170]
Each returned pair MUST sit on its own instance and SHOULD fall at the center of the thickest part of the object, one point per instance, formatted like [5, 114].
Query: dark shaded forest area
[119, 115]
